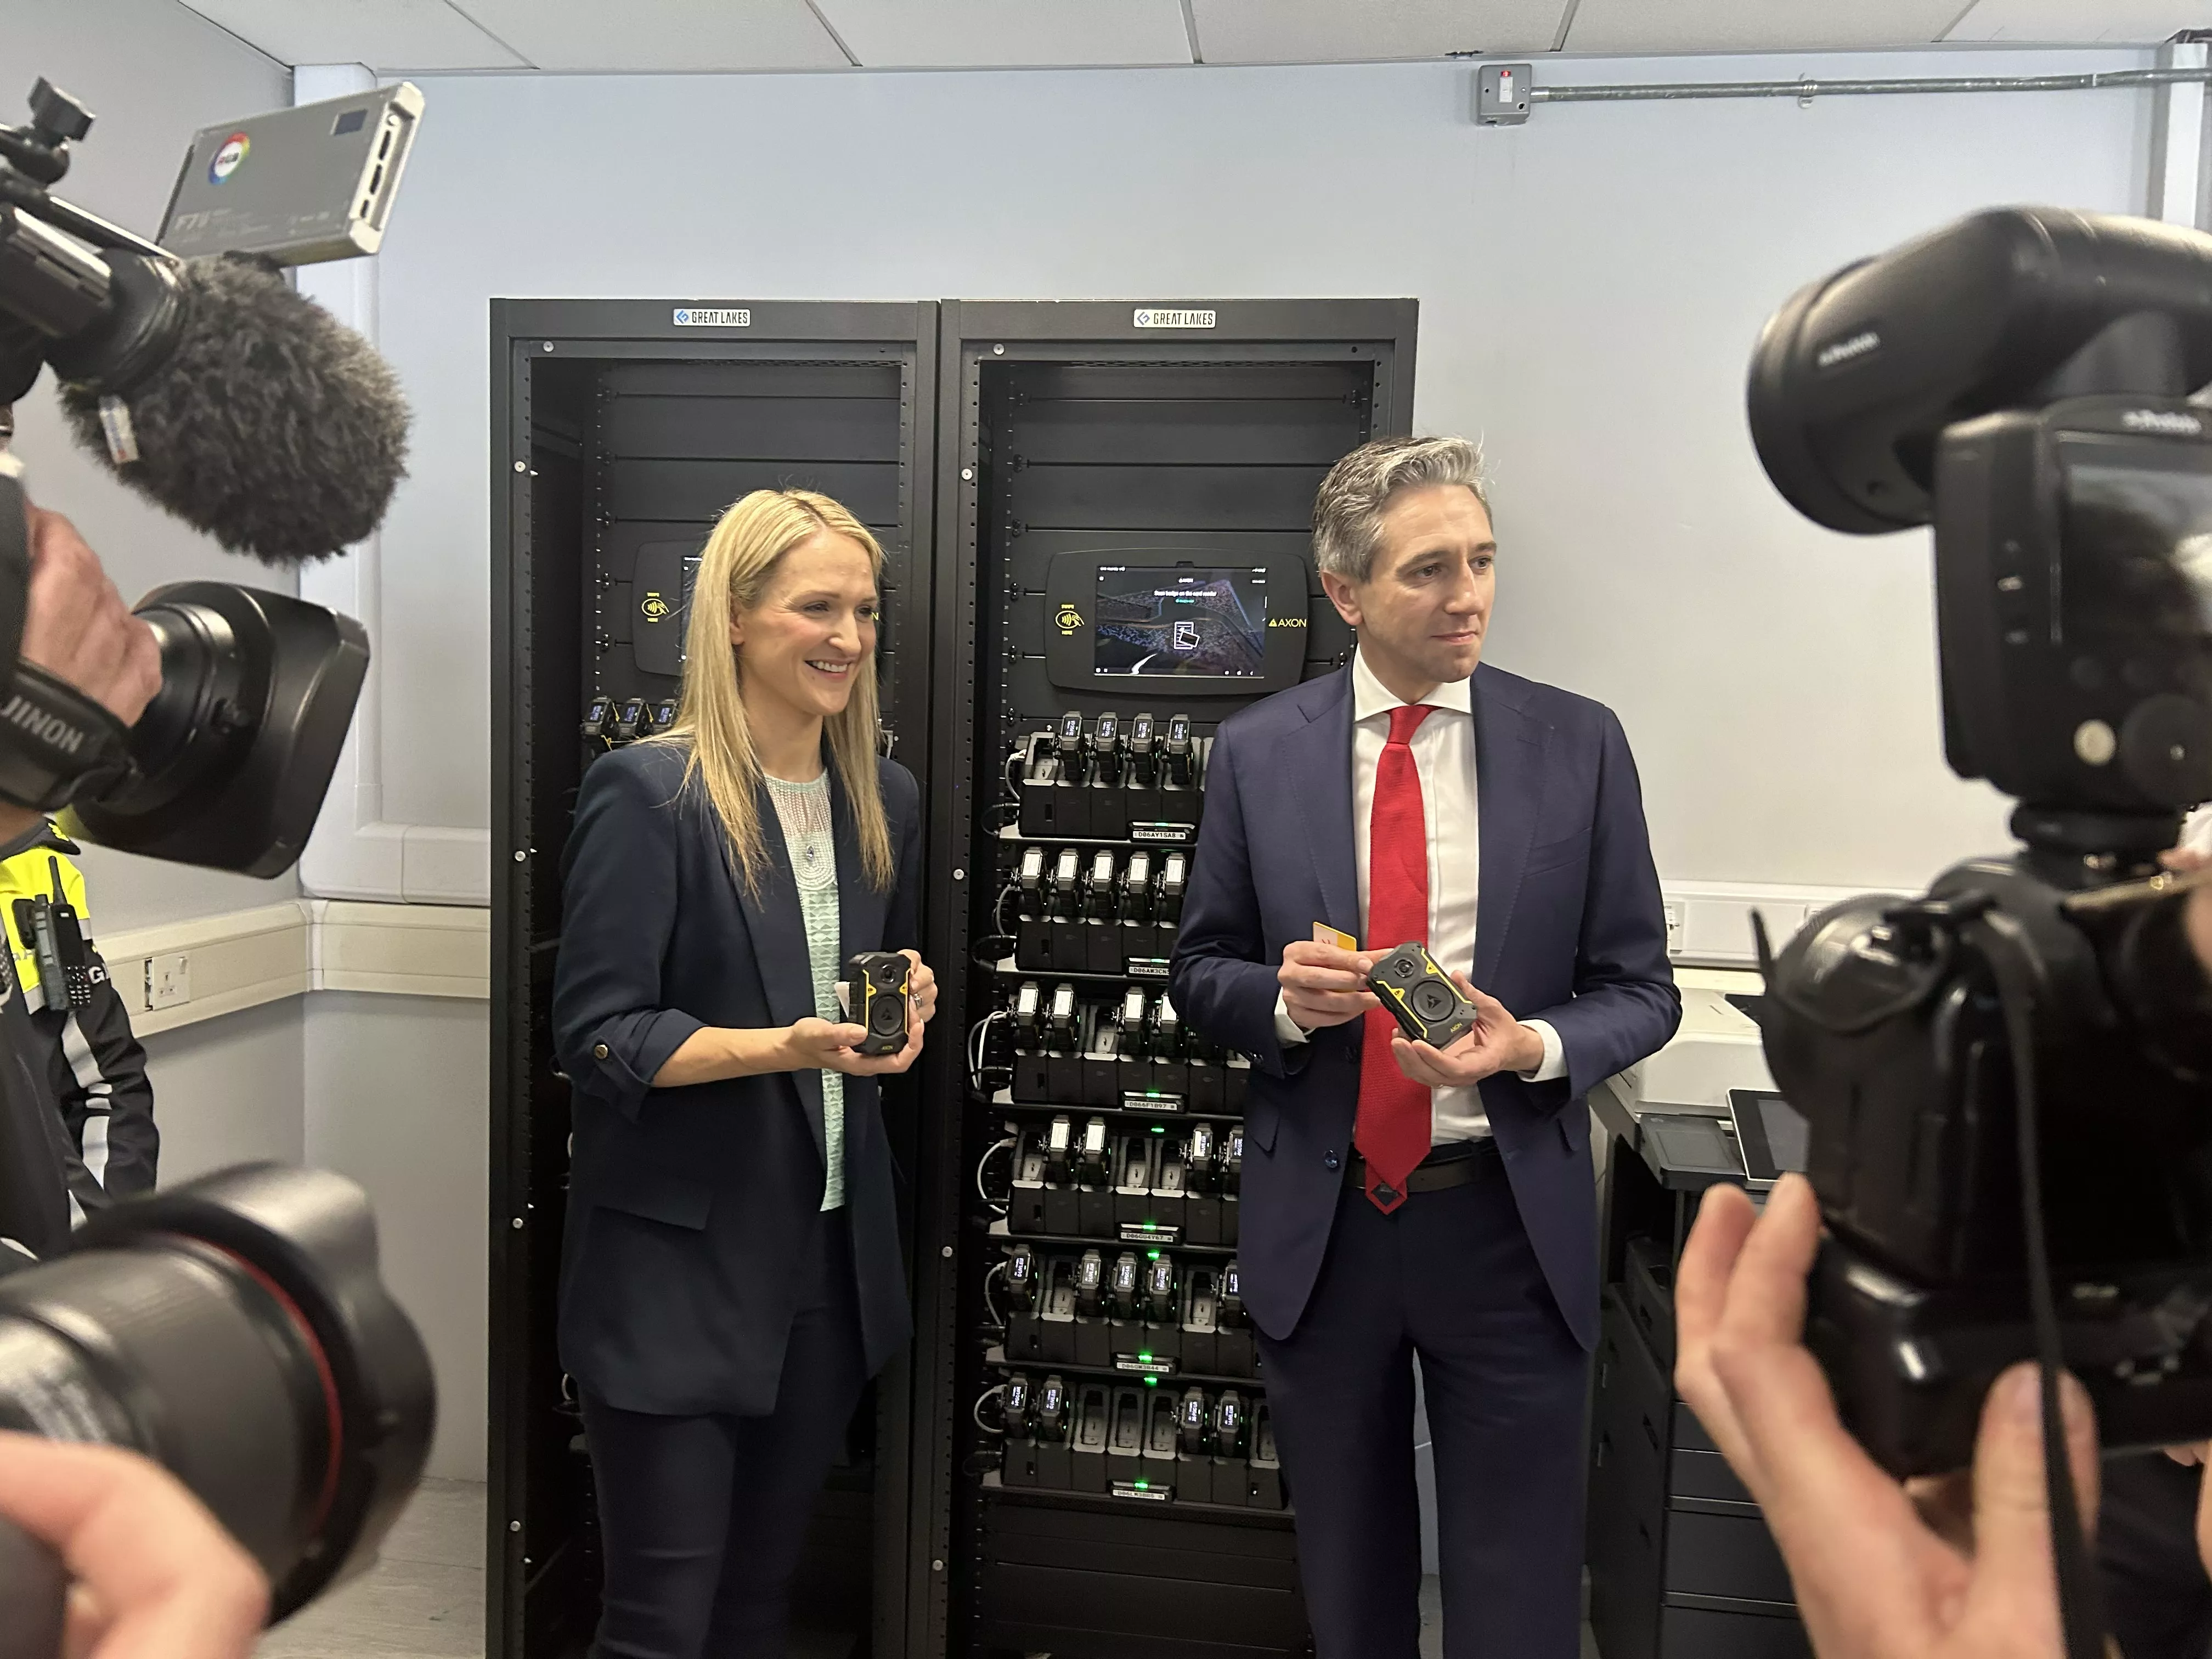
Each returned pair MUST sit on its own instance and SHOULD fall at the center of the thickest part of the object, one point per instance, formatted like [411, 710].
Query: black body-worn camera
[2008, 1080]
[1421, 997]
[880, 984]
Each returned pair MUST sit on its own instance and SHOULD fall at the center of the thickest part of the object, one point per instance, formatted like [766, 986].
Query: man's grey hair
[1348, 512]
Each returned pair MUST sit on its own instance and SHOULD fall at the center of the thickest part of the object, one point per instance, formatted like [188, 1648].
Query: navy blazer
[1569, 928]
[688, 1207]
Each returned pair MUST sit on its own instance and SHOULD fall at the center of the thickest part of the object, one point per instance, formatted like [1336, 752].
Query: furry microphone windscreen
[270, 425]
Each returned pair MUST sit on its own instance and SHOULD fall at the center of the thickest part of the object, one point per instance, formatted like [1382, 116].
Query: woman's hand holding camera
[824, 1045]
[832, 1045]
[921, 985]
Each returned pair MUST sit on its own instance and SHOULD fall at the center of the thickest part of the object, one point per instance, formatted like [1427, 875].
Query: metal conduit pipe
[1808, 87]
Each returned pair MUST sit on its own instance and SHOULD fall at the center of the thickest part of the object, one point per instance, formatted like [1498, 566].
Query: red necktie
[1392, 1131]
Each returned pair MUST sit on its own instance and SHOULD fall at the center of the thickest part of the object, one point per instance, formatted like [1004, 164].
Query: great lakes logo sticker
[713, 317]
[228, 157]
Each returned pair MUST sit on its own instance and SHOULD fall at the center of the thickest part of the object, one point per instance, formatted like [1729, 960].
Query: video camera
[239, 405]
[234, 1328]
[2008, 1079]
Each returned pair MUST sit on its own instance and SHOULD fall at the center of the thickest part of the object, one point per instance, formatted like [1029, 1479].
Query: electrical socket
[168, 980]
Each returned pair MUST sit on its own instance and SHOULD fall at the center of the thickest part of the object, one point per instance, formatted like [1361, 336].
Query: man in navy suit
[1399, 1200]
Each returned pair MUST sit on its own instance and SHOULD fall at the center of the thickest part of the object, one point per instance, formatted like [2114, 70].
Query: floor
[425, 1599]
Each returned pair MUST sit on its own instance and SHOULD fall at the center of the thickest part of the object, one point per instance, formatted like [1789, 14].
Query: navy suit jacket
[1569, 928]
[687, 1208]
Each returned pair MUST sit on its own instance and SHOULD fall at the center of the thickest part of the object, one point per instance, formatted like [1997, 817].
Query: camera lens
[234, 1330]
[232, 759]
[1406, 969]
[1431, 1001]
[213, 687]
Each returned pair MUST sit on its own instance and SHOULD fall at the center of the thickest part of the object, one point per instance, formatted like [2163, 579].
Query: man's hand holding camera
[1322, 986]
[1498, 1043]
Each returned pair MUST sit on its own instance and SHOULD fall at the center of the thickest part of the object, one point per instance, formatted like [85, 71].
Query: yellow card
[1325, 935]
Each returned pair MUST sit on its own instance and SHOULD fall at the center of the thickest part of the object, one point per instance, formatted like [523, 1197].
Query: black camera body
[1421, 997]
[1921, 1297]
[2008, 1080]
[880, 984]
[2073, 631]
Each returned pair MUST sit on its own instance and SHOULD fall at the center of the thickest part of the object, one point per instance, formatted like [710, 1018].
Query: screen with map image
[1178, 620]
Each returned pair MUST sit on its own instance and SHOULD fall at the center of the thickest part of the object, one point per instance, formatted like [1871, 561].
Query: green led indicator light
[1159, 1129]
[1151, 1255]
[1144, 1356]
[1144, 1485]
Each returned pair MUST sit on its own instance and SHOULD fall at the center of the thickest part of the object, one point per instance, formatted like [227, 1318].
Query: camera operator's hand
[819, 1044]
[155, 1577]
[1875, 1579]
[77, 626]
[1324, 986]
[1498, 1043]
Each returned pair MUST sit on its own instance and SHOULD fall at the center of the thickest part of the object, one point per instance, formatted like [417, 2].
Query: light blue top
[804, 810]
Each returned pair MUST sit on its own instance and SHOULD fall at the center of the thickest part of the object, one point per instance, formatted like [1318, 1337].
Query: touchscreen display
[2138, 541]
[1789, 1137]
[1178, 620]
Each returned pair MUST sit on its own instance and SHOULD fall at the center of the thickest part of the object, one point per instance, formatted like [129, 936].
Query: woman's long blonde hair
[740, 556]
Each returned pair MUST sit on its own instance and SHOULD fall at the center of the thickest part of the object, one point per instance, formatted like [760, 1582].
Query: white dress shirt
[1444, 754]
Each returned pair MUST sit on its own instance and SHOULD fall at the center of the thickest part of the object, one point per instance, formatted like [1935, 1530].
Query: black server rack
[1124, 509]
[620, 430]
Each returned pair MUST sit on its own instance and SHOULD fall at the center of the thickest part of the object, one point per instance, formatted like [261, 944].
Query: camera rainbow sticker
[228, 157]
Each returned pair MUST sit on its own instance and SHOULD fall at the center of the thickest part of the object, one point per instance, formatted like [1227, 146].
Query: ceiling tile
[2080, 22]
[1662, 25]
[660, 34]
[1361, 31]
[1008, 34]
[385, 34]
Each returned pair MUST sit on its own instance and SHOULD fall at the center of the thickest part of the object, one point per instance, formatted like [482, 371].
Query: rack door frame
[972, 335]
[525, 333]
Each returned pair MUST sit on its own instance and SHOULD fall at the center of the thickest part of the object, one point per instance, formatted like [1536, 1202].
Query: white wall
[228, 1090]
[396, 1099]
[153, 74]
[1590, 285]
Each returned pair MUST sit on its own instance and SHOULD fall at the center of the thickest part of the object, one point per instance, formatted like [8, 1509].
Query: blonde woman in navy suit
[732, 1274]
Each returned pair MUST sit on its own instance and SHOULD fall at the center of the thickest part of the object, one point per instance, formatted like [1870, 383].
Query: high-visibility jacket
[85, 1052]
